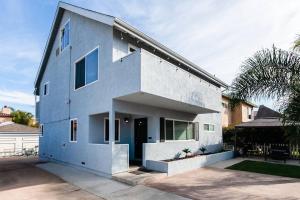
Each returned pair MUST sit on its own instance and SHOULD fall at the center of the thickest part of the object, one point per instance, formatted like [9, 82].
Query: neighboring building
[243, 112]
[15, 138]
[5, 114]
[109, 94]
[265, 117]
[267, 127]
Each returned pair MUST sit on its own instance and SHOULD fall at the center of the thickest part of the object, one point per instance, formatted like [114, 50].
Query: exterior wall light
[126, 120]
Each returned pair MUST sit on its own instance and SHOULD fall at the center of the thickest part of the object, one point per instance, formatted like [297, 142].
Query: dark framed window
[65, 36]
[46, 89]
[106, 130]
[41, 130]
[209, 127]
[73, 130]
[179, 130]
[86, 69]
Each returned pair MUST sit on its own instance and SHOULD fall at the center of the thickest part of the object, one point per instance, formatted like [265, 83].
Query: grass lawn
[267, 168]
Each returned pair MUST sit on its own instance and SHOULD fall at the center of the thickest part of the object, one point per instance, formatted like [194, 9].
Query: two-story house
[109, 94]
[243, 112]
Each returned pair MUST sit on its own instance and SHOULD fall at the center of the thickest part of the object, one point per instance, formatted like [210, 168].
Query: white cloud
[16, 97]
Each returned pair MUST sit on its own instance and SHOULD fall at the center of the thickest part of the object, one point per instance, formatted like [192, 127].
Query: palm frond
[268, 74]
[296, 45]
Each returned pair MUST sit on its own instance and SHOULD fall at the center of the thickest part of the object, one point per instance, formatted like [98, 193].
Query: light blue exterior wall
[120, 74]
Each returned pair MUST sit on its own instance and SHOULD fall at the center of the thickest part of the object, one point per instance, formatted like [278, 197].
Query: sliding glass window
[179, 130]
[86, 69]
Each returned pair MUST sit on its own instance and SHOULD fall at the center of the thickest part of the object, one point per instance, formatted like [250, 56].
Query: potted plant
[187, 152]
[202, 149]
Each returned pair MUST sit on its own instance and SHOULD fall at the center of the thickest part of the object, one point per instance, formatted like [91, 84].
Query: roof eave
[143, 37]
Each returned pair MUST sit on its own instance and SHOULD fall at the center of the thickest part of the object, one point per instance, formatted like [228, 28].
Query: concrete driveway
[213, 183]
[21, 180]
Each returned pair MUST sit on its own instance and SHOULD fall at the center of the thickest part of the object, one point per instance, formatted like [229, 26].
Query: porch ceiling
[162, 102]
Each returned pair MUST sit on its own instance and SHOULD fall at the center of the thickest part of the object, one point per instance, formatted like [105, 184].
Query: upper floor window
[46, 89]
[73, 130]
[65, 36]
[225, 105]
[249, 113]
[86, 69]
[209, 127]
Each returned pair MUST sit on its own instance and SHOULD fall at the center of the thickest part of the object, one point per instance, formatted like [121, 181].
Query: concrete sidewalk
[105, 187]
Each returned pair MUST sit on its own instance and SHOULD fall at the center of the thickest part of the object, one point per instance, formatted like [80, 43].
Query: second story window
[249, 110]
[65, 36]
[86, 69]
[46, 89]
[131, 48]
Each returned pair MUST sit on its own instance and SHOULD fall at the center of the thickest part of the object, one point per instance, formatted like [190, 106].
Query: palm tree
[272, 73]
[296, 45]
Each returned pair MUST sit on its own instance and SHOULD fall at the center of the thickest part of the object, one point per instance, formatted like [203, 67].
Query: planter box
[183, 165]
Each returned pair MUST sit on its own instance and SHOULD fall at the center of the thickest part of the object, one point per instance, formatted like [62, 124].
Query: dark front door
[140, 136]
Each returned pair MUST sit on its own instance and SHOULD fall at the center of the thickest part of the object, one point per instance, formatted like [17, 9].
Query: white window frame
[133, 47]
[60, 35]
[41, 130]
[70, 127]
[104, 129]
[170, 119]
[48, 88]
[79, 59]
[209, 124]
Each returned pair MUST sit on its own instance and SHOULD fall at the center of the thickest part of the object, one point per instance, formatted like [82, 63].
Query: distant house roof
[265, 117]
[11, 127]
[265, 112]
[121, 25]
[5, 115]
[263, 122]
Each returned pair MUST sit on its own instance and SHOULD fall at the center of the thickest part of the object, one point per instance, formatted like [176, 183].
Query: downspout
[69, 92]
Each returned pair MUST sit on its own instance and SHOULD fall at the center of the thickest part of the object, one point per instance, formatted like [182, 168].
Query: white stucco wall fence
[183, 165]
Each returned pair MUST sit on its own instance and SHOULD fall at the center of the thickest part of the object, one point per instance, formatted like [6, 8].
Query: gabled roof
[115, 22]
[265, 112]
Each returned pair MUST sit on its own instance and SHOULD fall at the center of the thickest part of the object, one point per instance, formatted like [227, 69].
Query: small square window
[209, 127]
[131, 48]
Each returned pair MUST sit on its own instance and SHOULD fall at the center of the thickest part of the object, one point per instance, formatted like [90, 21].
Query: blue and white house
[108, 94]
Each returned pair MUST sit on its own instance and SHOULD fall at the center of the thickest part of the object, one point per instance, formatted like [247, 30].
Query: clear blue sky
[216, 35]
